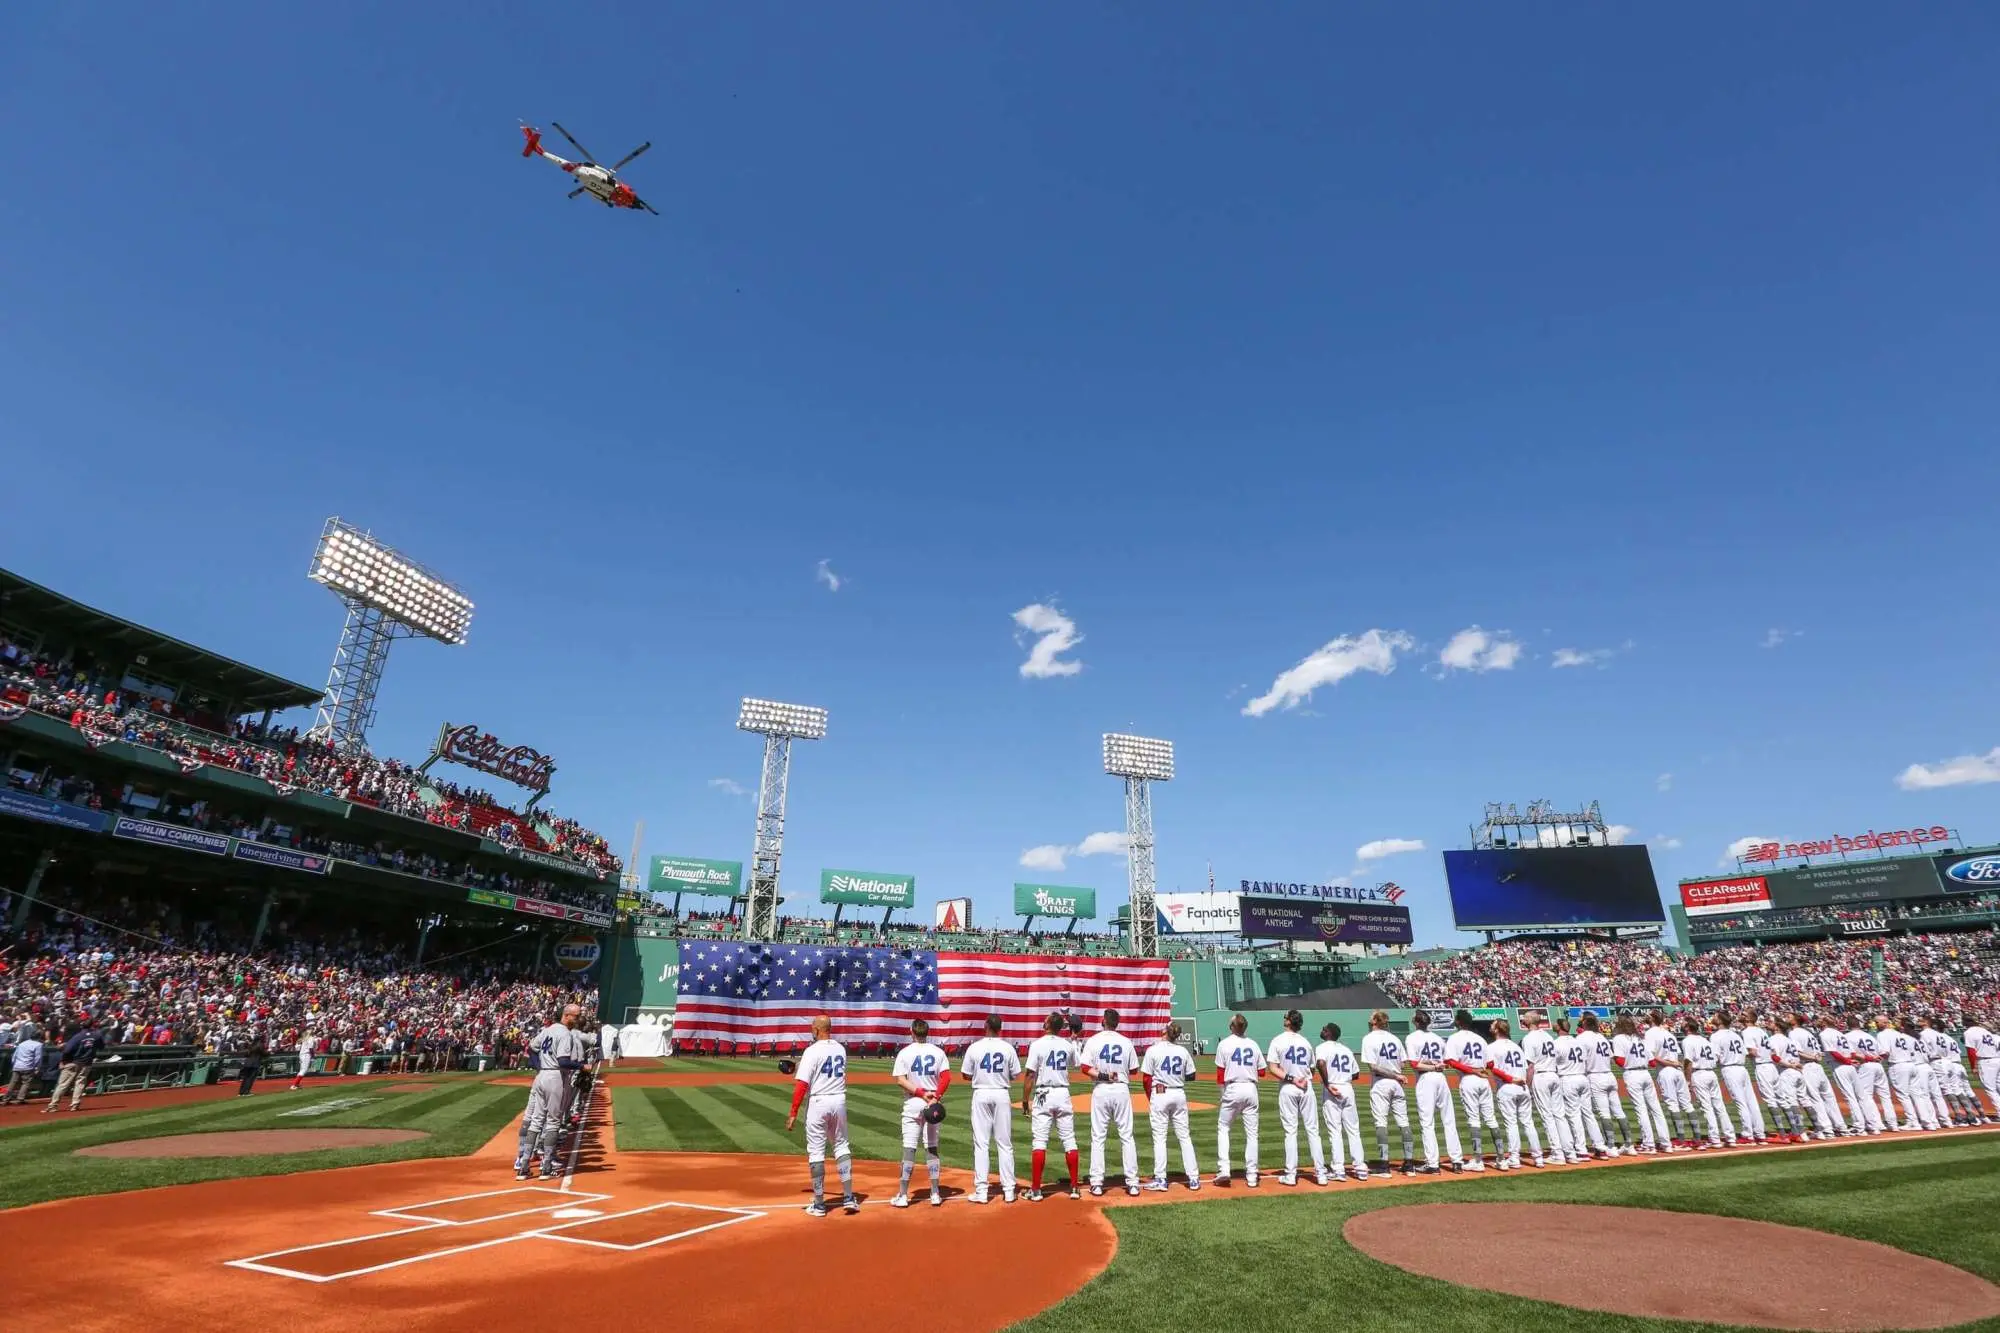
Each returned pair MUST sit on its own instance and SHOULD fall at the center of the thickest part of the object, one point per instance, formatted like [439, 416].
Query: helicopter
[600, 182]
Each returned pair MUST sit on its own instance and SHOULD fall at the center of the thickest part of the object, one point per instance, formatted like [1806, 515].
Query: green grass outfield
[459, 1114]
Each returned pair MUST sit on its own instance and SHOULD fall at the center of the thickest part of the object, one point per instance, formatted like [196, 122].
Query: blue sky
[1230, 337]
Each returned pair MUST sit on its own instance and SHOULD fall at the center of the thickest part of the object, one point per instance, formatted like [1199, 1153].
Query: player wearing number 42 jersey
[1338, 1106]
[821, 1087]
[1291, 1059]
[1167, 1069]
[923, 1071]
[992, 1066]
[1239, 1063]
[1051, 1057]
[1108, 1058]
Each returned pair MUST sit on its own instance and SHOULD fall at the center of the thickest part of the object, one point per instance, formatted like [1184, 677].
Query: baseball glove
[934, 1113]
[788, 1066]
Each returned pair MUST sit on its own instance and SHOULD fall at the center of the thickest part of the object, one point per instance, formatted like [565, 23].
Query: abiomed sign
[1055, 900]
[865, 888]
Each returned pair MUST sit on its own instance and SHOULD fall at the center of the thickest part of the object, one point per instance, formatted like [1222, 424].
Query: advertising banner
[1510, 888]
[555, 862]
[865, 888]
[1855, 882]
[536, 907]
[692, 874]
[1968, 872]
[45, 811]
[1720, 897]
[1291, 919]
[1198, 913]
[577, 953]
[285, 858]
[1338, 893]
[1054, 900]
[488, 898]
[171, 835]
[953, 914]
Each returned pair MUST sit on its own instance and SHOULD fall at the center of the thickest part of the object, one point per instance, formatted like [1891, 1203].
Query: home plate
[571, 1214]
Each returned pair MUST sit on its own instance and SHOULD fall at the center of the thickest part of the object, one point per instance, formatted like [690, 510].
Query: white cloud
[1736, 849]
[1048, 856]
[1664, 782]
[1577, 657]
[1057, 635]
[1334, 662]
[1381, 847]
[1474, 649]
[729, 786]
[1775, 636]
[1055, 855]
[824, 574]
[1963, 771]
[1618, 834]
[1666, 844]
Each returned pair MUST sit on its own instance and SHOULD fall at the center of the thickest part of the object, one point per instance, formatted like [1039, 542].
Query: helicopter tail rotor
[534, 138]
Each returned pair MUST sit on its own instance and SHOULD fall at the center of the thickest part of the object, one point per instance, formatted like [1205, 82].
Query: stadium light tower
[779, 725]
[388, 596]
[1141, 761]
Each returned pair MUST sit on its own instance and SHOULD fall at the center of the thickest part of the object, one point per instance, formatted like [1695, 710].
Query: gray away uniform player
[1167, 1069]
[1239, 1063]
[1339, 1106]
[992, 1066]
[923, 1071]
[555, 1055]
[821, 1085]
[1290, 1057]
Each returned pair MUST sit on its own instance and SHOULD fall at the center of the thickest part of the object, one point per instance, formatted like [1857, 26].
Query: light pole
[1141, 761]
[779, 725]
[388, 596]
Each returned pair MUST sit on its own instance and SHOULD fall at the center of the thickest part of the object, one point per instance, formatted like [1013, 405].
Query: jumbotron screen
[1552, 886]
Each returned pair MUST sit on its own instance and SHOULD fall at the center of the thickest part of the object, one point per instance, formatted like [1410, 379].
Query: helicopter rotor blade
[577, 191]
[588, 156]
[634, 153]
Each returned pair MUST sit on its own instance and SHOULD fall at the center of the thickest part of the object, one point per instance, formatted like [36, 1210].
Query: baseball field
[680, 1208]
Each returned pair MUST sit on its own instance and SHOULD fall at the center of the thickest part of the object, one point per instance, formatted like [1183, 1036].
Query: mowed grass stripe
[637, 1125]
[736, 1128]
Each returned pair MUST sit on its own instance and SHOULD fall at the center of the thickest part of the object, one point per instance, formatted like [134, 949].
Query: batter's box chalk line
[685, 1220]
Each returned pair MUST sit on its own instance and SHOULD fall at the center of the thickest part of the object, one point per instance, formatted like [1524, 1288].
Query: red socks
[1041, 1159]
[1075, 1176]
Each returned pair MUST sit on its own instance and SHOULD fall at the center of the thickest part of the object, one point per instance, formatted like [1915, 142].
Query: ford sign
[1975, 870]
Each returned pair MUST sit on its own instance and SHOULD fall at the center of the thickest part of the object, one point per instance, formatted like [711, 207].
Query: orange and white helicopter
[599, 182]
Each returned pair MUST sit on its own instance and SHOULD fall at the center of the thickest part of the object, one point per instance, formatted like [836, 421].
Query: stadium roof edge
[211, 673]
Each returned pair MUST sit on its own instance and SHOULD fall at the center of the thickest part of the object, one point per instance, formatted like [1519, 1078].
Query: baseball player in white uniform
[1605, 1103]
[1670, 1078]
[1732, 1057]
[1703, 1085]
[1388, 1094]
[820, 1086]
[1538, 1048]
[1109, 1059]
[307, 1045]
[923, 1071]
[1982, 1044]
[1166, 1070]
[1047, 1101]
[1290, 1057]
[1339, 1106]
[1840, 1068]
[1465, 1051]
[1871, 1078]
[1908, 1074]
[1815, 1087]
[1517, 1104]
[1239, 1063]
[991, 1065]
[555, 1054]
[1433, 1096]
[1628, 1048]
[1573, 1068]
[1790, 1084]
[1756, 1040]
[1947, 1073]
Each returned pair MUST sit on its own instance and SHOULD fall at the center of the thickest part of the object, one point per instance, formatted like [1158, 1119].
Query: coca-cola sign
[519, 764]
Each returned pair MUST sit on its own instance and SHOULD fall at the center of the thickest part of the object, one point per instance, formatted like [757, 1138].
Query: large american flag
[731, 991]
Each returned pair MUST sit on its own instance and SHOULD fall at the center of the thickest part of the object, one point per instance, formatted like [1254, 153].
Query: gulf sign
[1714, 897]
[577, 953]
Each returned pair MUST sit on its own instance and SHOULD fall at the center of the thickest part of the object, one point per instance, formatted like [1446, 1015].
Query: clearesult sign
[1291, 919]
[1055, 900]
[1720, 897]
[867, 888]
[692, 874]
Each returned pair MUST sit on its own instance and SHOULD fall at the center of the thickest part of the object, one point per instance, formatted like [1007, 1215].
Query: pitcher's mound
[250, 1142]
[1554, 1252]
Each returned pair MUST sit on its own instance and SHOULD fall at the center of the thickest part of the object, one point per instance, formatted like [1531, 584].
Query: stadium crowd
[158, 974]
[1944, 976]
[92, 702]
[696, 925]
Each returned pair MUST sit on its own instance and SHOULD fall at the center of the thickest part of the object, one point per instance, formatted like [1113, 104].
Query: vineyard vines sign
[519, 764]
